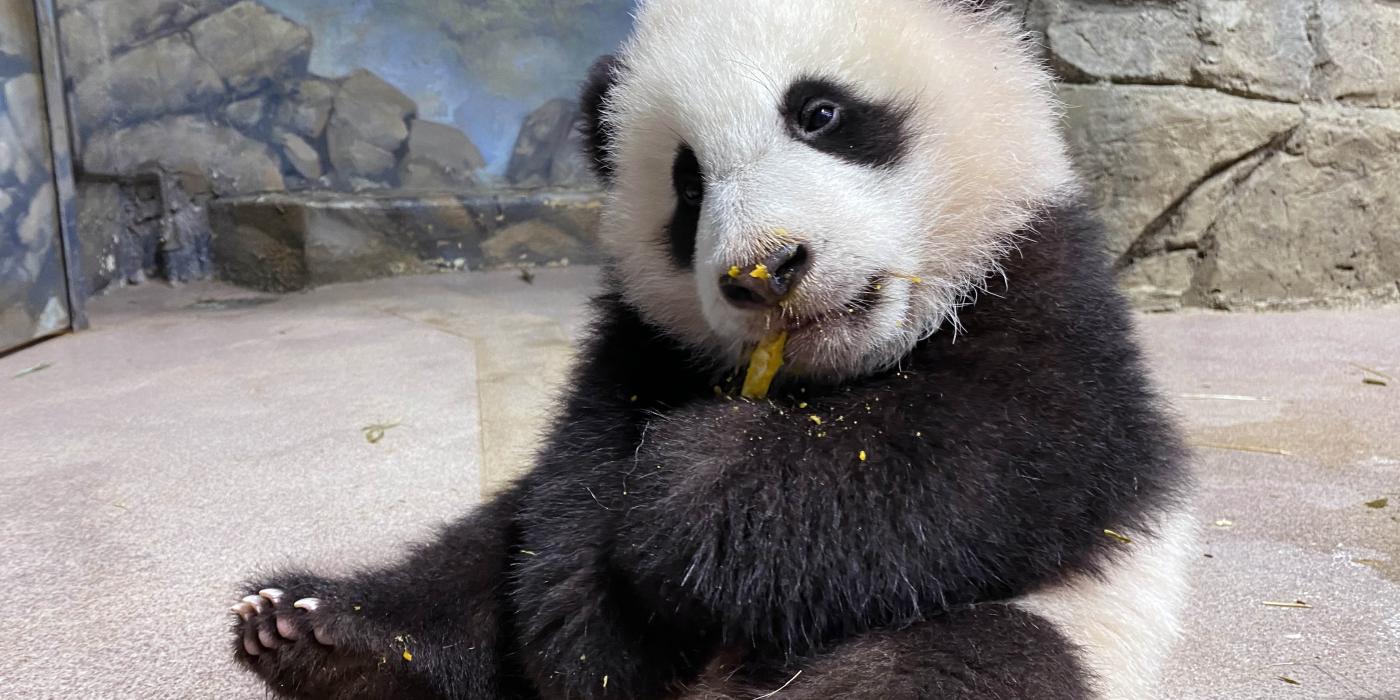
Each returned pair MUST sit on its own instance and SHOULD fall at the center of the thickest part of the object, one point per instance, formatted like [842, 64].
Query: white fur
[984, 154]
[1126, 620]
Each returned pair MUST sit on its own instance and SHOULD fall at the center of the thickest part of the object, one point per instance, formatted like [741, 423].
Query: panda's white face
[876, 156]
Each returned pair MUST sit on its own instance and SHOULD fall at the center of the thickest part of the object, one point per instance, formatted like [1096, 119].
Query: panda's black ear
[597, 137]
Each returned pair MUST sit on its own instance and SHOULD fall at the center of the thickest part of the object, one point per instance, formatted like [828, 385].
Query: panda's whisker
[747, 75]
[770, 83]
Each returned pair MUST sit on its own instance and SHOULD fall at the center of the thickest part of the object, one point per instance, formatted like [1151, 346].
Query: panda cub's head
[876, 157]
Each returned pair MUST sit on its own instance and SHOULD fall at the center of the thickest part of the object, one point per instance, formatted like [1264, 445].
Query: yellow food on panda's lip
[764, 363]
[734, 272]
[761, 272]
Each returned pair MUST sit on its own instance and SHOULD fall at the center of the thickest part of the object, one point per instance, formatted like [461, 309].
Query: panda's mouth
[853, 310]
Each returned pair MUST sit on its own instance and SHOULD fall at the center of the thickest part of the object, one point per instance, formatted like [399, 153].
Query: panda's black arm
[893, 498]
[582, 629]
[428, 626]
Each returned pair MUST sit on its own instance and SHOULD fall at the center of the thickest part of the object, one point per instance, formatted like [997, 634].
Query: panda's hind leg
[986, 652]
[427, 627]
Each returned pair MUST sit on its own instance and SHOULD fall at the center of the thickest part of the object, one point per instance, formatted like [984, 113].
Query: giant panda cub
[960, 483]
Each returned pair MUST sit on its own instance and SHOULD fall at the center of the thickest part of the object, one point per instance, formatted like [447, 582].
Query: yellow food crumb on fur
[734, 272]
[767, 358]
[1118, 536]
[802, 405]
[862, 455]
[815, 419]
[760, 272]
[407, 656]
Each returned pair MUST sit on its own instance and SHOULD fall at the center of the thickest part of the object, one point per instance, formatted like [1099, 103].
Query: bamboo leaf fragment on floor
[1244, 448]
[375, 433]
[36, 368]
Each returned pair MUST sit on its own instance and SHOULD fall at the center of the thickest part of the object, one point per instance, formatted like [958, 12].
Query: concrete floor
[197, 433]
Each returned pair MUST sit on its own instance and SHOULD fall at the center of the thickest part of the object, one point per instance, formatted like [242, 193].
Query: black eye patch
[833, 119]
[689, 184]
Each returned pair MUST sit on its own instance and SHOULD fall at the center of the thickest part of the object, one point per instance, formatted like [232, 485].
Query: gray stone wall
[1244, 153]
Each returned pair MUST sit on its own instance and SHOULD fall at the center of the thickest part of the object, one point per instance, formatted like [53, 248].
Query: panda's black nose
[766, 284]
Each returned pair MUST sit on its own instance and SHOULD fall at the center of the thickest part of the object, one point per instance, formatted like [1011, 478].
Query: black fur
[978, 652]
[865, 132]
[686, 180]
[596, 137]
[664, 527]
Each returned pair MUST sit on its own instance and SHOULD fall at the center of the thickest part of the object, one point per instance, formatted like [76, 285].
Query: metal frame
[61, 148]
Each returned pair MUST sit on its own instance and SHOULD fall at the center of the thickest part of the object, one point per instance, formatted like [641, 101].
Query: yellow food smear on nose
[761, 272]
[734, 272]
[767, 358]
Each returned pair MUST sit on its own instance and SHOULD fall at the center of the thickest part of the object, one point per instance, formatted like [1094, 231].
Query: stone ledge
[284, 242]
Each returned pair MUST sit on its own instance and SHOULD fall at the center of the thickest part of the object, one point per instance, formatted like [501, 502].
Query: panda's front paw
[307, 643]
[271, 619]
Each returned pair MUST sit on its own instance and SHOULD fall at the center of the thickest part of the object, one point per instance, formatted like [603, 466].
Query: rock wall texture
[1244, 153]
[222, 88]
[176, 102]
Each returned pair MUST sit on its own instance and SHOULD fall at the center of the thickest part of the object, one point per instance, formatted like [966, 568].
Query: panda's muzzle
[766, 285]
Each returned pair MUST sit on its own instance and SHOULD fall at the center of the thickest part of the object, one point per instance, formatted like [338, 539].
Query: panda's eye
[819, 116]
[692, 193]
[687, 179]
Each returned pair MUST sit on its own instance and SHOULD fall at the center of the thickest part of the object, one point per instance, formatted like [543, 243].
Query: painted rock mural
[176, 102]
[33, 293]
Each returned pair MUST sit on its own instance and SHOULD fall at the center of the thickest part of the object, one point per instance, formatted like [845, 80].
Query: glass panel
[33, 292]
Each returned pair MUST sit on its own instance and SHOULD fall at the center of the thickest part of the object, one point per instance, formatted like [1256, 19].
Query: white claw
[310, 605]
[272, 594]
[256, 601]
[243, 610]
